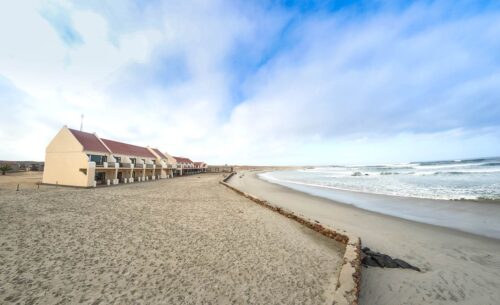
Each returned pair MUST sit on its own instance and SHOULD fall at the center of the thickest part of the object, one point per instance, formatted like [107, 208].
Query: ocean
[475, 179]
[459, 194]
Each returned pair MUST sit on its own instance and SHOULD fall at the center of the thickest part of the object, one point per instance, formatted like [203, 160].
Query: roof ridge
[89, 141]
[100, 140]
[123, 148]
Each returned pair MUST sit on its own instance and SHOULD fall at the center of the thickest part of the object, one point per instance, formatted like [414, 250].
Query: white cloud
[233, 82]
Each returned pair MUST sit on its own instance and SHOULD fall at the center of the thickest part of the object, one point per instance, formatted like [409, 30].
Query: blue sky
[256, 82]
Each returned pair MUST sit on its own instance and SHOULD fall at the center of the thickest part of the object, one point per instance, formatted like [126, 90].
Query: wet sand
[458, 267]
[187, 240]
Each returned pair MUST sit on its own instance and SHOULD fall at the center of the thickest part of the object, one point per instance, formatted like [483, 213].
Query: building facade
[187, 167]
[77, 158]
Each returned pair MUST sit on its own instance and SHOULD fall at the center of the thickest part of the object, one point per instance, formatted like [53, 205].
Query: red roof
[199, 164]
[159, 153]
[89, 141]
[128, 149]
[183, 160]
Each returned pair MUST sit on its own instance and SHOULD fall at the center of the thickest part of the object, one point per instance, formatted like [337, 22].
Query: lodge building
[77, 158]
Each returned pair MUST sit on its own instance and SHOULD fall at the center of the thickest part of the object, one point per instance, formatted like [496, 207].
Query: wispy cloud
[60, 20]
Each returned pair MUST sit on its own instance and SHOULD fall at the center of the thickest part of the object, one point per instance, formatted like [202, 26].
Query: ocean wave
[389, 173]
[469, 172]
[438, 182]
[452, 173]
[400, 192]
[491, 164]
[477, 161]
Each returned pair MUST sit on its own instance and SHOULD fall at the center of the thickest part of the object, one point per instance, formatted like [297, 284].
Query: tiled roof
[182, 160]
[159, 153]
[89, 141]
[128, 149]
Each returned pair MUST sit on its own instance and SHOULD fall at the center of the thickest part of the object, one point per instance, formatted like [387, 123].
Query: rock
[368, 261]
[356, 174]
[385, 261]
[405, 265]
[375, 259]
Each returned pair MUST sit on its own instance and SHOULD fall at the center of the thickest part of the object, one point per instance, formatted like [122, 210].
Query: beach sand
[187, 240]
[457, 267]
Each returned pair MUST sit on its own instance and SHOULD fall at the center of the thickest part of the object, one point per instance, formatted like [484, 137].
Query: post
[17, 190]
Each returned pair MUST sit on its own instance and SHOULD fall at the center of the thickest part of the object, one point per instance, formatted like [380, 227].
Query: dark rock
[384, 261]
[375, 259]
[402, 264]
[371, 253]
[368, 261]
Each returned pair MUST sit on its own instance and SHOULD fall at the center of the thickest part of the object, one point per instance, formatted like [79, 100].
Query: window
[118, 159]
[132, 160]
[97, 159]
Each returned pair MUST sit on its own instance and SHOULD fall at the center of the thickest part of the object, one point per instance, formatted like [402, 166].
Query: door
[100, 178]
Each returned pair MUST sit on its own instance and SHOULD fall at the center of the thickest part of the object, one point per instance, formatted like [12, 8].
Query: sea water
[477, 179]
[459, 194]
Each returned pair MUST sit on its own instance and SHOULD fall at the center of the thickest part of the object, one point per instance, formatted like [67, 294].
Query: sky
[255, 82]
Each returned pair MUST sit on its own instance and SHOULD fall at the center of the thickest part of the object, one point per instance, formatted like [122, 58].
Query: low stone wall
[228, 177]
[348, 285]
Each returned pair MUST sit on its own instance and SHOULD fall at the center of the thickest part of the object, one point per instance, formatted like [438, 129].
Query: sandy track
[25, 180]
[184, 241]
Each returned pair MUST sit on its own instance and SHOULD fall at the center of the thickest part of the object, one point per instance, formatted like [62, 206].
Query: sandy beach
[457, 267]
[187, 240]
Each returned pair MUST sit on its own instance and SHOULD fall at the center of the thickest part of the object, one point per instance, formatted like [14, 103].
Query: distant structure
[219, 169]
[23, 166]
[185, 166]
[77, 158]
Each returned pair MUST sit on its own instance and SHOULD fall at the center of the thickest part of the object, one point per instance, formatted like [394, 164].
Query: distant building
[202, 166]
[185, 166]
[83, 159]
[219, 169]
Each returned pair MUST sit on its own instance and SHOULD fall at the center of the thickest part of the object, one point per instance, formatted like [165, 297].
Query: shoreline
[460, 215]
[334, 202]
[457, 267]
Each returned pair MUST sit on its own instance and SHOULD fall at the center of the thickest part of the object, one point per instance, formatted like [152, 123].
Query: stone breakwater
[348, 285]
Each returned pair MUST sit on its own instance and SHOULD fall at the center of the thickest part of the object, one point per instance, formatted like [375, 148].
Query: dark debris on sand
[375, 259]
